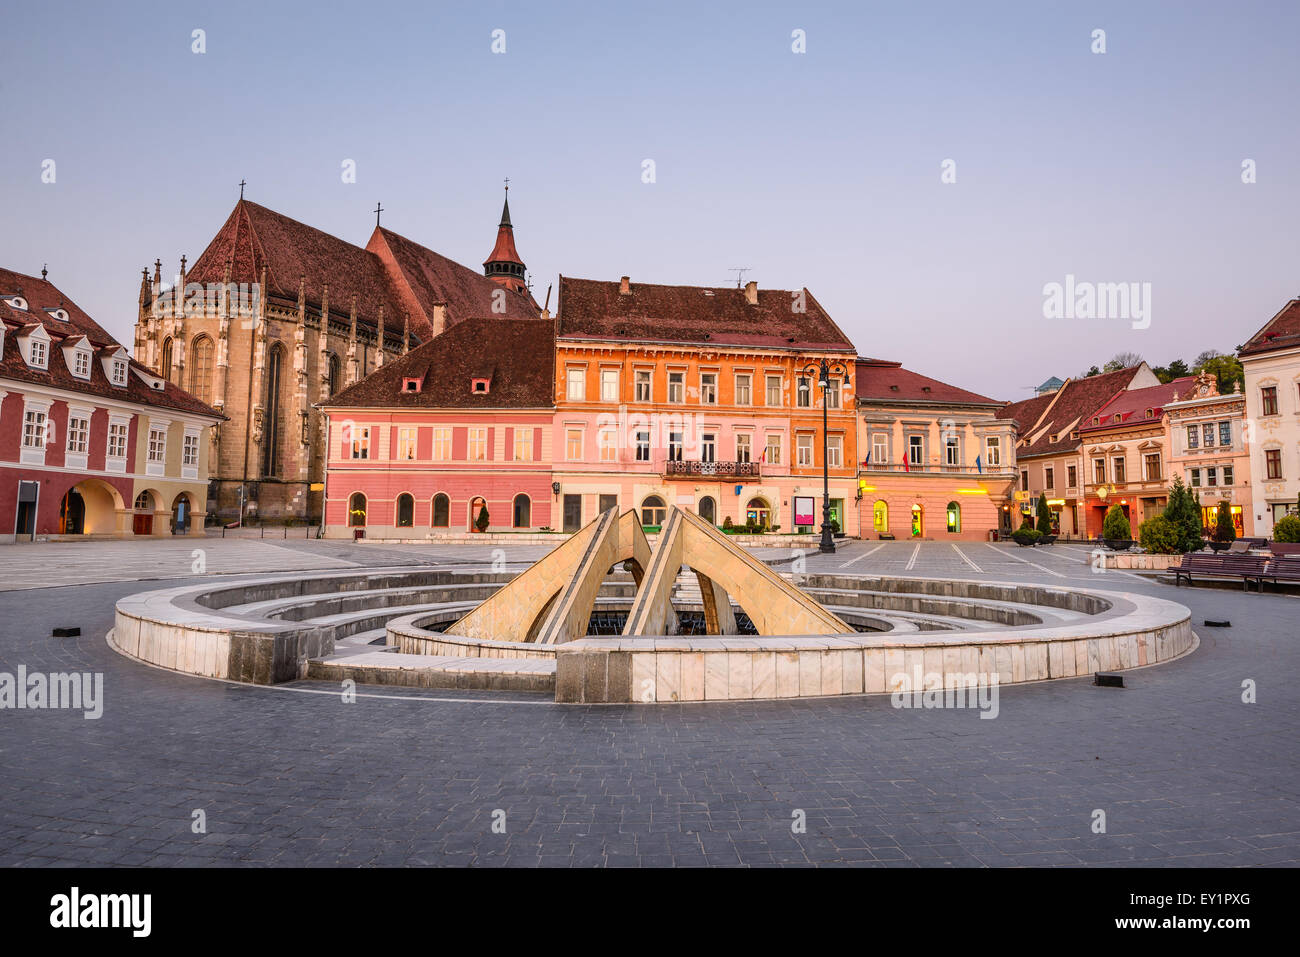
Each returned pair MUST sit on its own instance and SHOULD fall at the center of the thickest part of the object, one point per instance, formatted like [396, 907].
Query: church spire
[504, 265]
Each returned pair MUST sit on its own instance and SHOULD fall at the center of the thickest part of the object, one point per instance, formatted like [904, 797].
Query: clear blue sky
[821, 169]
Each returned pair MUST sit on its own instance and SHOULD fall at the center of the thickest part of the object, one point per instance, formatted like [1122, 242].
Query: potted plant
[1225, 533]
[1116, 531]
[482, 521]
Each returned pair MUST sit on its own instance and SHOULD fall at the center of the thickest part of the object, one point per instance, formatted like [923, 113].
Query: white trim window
[879, 449]
[39, 355]
[119, 372]
[118, 435]
[576, 384]
[993, 451]
[834, 451]
[708, 388]
[78, 433]
[157, 445]
[478, 444]
[773, 453]
[608, 385]
[406, 443]
[744, 388]
[81, 363]
[607, 440]
[34, 429]
[360, 442]
[573, 443]
[676, 386]
[523, 445]
[774, 391]
[743, 443]
[190, 450]
[805, 449]
[644, 385]
[442, 444]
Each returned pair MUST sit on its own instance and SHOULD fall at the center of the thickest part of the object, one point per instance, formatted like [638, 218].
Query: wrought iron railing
[693, 469]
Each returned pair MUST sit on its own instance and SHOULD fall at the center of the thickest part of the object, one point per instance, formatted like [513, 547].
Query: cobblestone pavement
[1186, 773]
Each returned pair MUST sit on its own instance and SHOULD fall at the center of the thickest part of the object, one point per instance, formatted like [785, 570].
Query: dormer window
[479, 385]
[411, 385]
[59, 314]
[1118, 417]
[38, 357]
[16, 302]
[1149, 413]
[34, 343]
[1096, 420]
[118, 374]
[81, 364]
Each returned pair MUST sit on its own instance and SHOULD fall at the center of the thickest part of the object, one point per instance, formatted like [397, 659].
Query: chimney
[439, 318]
[625, 286]
[751, 293]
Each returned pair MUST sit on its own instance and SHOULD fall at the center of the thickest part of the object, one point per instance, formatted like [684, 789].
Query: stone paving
[1185, 772]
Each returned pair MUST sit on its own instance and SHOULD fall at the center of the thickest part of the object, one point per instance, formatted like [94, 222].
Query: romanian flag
[979, 465]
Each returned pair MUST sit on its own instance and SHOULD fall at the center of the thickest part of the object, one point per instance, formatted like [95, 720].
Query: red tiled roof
[420, 277]
[591, 309]
[1131, 405]
[401, 276]
[1280, 332]
[42, 295]
[1059, 413]
[518, 357]
[880, 380]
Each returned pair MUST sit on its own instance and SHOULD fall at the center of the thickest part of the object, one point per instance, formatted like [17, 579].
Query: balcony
[681, 469]
[934, 467]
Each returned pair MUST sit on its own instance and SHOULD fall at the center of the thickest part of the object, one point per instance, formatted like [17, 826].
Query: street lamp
[823, 369]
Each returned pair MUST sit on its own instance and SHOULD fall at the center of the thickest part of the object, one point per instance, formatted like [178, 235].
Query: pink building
[463, 422]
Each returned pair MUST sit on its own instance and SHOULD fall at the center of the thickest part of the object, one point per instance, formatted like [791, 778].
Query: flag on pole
[979, 465]
[906, 467]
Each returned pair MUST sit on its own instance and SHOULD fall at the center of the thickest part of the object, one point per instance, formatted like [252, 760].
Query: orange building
[1206, 446]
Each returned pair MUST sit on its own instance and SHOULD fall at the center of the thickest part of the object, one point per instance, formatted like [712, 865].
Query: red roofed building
[1270, 360]
[275, 317]
[934, 461]
[700, 397]
[91, 442]
[1126, 452]
[419, 447]
[1049, 452]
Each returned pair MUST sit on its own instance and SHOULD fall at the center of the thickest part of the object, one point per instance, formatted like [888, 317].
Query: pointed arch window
[201, 363]
[166, 369]
[271, 431]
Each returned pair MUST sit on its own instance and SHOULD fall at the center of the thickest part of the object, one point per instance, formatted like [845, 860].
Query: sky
[822, 168]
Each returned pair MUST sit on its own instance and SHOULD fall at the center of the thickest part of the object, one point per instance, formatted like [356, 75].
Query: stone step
[437, 671]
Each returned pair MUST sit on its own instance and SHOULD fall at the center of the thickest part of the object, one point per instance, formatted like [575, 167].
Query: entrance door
[918, 522]
[142, 521]
[180, 515]
[25, 520]
[572, 513]
[72, 514]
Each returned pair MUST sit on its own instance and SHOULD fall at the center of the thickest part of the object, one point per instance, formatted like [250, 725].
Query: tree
[1044, 516]
[1092, 371]
[1184, 511]
[1121, 360]
[1287, 529]
[1226, 369]
[1224, 530]
[1158, 535]
[482, 521]
[1175, 370]
[1116, 527]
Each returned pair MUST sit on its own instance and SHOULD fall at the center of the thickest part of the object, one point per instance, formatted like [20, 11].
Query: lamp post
[823, 369]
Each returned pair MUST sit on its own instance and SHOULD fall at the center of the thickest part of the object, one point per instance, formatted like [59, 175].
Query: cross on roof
[242, 184]
[379, 208]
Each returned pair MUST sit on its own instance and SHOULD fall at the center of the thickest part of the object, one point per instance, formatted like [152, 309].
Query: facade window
[406, 444]
[834, 451]
[523, 445]
[201, 362]
[119, 372]
[708, 388]
[441, 511]
[357, 510]
[1227, 475]
[952, 450]
[1225, 434]
[744, 389]
[157, 445]
[1024, 480]
[1193, 437]
[608, 385]
[743, 440]
[477, 444]
[708, 447]
[643, 385]
[804, 449]
[1152, 465]
[577, 384]
[144, 502]
[675, 445]
[405, 510]
[360, 442]
[39, 354]
[774, 390]
[78, 433]
[34, 429]
[81, 364]
[1119, 473]
[803, 392]
[1072, 476]
[1196, 478]
[993, 445]
[833, 394]
[954, 518]
[677, 387]
[117, 436]
[643, 446]
[1099, 471]
[773, 454]
[442, 444]
[1273, 463]
[523, 512]
[607, 440]
[1268, 399]
[166, 369]
[190, 450]
[271, 436]
[1208, 432]
[1049, 478]
[1212, 477]
[334, 381]
[915, 449]
[880, 449]
[573, 445]
[653, 511]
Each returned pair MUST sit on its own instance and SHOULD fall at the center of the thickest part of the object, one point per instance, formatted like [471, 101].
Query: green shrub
[726, 522]
[1026, 523]
[1224, 530]
[1116, 527]
[1287, 529]
[1159, 535]
[1026, 536]
[1185, 512]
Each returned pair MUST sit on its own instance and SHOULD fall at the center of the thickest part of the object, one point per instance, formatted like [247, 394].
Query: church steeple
[504, 265]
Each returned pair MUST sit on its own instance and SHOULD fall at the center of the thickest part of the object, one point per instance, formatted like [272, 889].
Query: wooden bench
[1286, 569]
[1201, 565]
[1280, 549]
